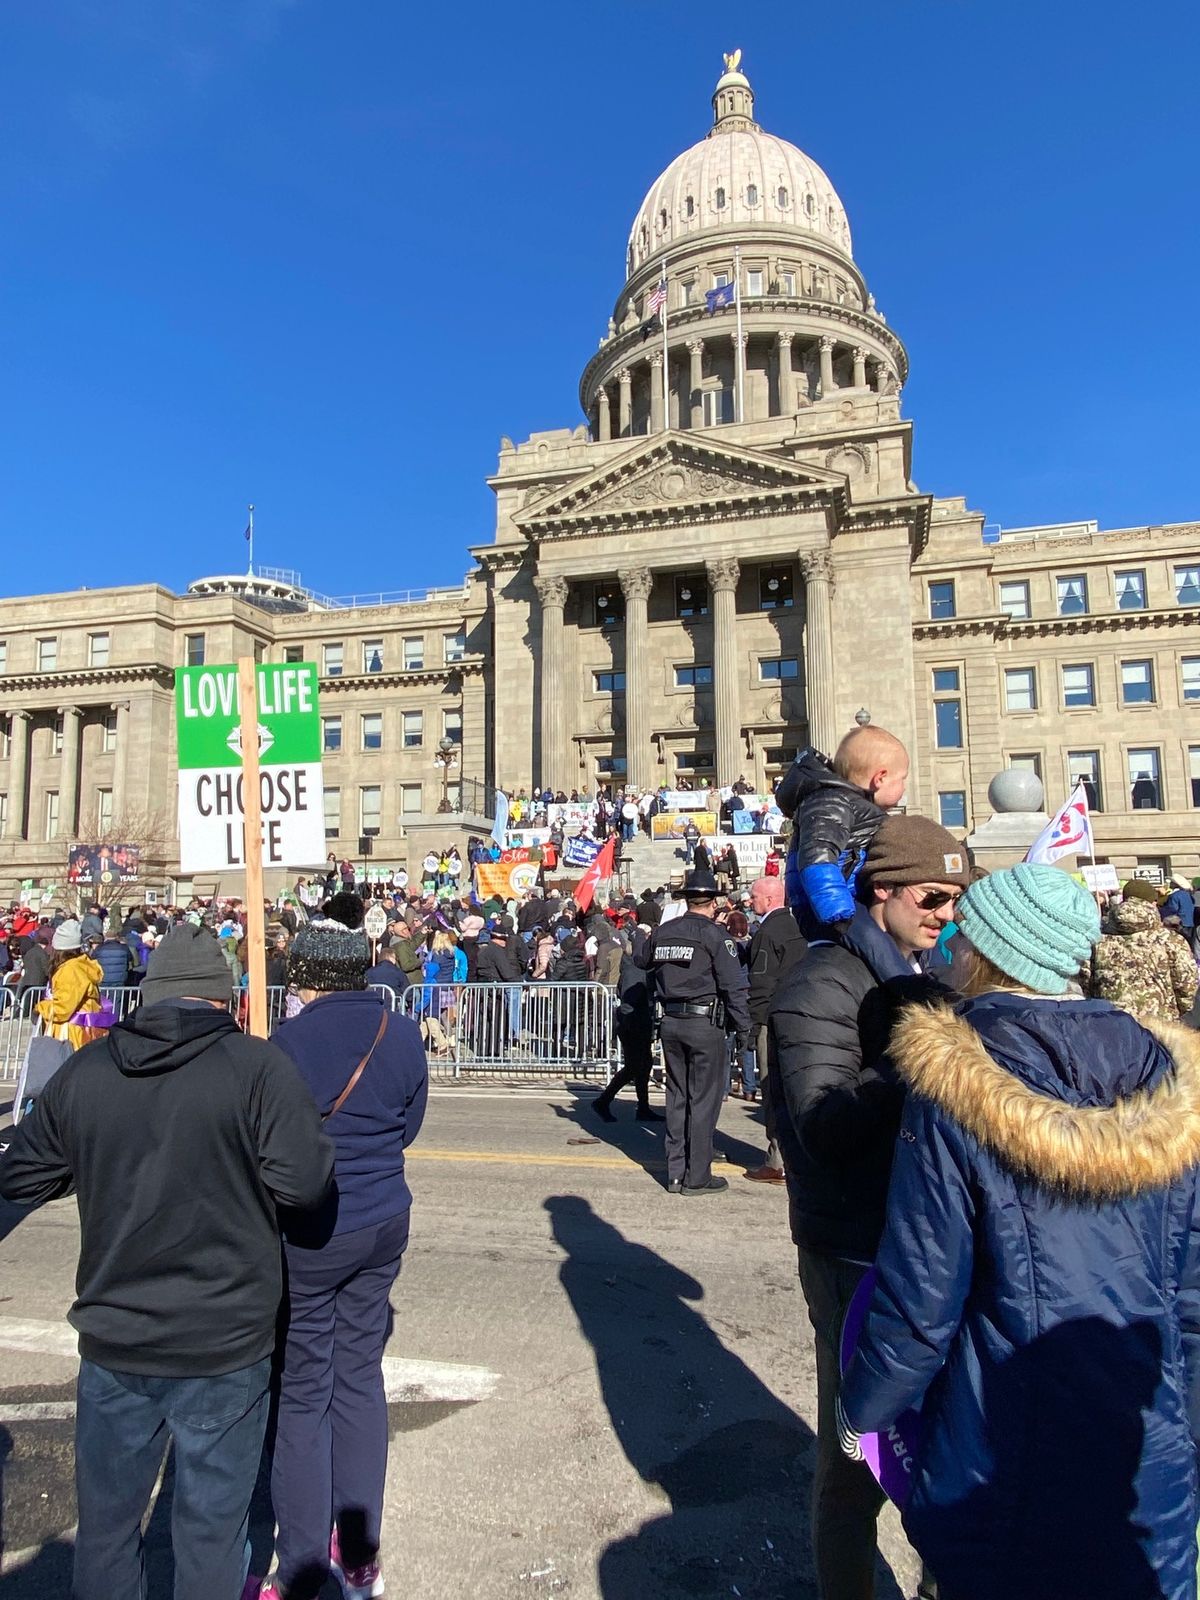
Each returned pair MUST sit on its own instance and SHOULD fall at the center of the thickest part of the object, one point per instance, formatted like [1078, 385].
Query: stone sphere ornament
[1015, 789]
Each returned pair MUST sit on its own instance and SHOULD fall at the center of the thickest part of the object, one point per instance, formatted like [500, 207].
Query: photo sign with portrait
[104, 864]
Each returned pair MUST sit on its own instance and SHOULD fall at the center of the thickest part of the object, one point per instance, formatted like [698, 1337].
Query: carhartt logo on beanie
[1033, 922]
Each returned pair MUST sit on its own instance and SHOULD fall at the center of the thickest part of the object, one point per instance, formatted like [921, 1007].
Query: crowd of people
[981, 1097]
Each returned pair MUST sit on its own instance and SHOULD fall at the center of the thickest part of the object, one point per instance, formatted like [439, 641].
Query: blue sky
[322, 254]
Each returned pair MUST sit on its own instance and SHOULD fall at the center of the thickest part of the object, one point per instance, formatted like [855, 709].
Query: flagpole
[740, 379]
[666, 357]
[251, 538]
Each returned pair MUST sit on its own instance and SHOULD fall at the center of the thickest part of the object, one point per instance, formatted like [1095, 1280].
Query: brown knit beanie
[1139, 889]
[915, 850]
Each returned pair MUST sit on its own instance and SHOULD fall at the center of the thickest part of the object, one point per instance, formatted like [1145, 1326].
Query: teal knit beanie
[1033, 922]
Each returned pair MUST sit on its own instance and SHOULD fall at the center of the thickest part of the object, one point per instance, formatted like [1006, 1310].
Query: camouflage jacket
[1141, 966]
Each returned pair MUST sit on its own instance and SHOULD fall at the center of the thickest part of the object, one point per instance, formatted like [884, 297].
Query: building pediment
[675, 478]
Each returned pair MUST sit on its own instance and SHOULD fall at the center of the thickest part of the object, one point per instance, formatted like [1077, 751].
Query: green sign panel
[208, 715]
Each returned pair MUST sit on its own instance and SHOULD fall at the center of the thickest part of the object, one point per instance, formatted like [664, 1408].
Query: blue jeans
[122, 1425]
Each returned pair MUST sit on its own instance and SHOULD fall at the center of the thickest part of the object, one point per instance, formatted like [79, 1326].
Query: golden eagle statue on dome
[732, 62]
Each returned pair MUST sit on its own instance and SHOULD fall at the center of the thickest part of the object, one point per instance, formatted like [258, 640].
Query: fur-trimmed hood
[1026, 1097]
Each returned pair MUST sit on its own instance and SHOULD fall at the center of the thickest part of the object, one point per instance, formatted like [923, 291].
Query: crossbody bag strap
[358, 1071]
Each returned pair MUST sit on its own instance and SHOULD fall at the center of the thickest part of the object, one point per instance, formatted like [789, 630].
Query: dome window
[810, 205]
[689, 207]
[782, 198]
[751, 194]
[629, 262]
[645, 236]
[662, 220]
[832, 217]
[720, 199]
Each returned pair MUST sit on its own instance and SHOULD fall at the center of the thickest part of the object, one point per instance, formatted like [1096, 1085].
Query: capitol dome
[736, 177]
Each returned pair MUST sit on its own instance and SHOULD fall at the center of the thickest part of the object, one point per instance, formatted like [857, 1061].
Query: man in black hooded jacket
[179, 1136]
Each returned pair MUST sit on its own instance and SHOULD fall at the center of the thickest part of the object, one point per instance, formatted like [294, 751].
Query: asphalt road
[598, 1389]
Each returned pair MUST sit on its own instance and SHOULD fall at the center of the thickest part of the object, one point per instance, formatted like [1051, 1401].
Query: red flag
[601, 867]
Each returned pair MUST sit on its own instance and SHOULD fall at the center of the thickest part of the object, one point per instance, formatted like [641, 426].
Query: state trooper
[701, 992]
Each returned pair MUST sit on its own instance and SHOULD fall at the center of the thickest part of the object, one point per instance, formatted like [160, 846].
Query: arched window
[720, 199]
[689, 207]
[662, 219]
[629, 263]
[645, 236]
[810, 205]
[782, 197]
[832, 217]
[751, 194]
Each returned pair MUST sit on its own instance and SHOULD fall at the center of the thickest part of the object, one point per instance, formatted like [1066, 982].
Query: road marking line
[405, 1378]
[520, 1158]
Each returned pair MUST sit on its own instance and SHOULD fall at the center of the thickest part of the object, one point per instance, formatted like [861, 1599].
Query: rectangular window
[1187, 586]
[293, 652]
[945, 680]
[97, 649]
[691, 595]
[5, 737]
[372, 655]
[774, 588]
[331, 734]
[720, 279]
[1079, 688]
[104, 812]
[1130, 590]
[776, 669]
[410, 799]
[1190, 666]
[611, 766]
[608, 605]
[1083, 766]
[609, 682]
[414, 729]
[1193, 775]
[1020, 689]
[260, 650]
[1027, 761]
[51, 813]
[454, 647]
[941, 600]
[414, 654]
[193, 649]
[3, 655]
[688, 287]
[3, 813]
[716, 407]
[947, 712]
[698, 676]
[787, 283]
[1145, 781]
[332, 660]
[452, 726]
[57, 740]
[1137, 683]
[754, 280]
[370, 809]
[108, 736]
[1014, 598]
[332, 798]
[1072, 595]
[372, 730]
[693, 761]
[47, 655]
[952, 808]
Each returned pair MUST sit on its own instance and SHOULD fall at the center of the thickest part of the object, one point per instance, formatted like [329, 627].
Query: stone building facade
[729, 558]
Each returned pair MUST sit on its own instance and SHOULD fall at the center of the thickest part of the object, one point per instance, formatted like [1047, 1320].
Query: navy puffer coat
[1039, 1293]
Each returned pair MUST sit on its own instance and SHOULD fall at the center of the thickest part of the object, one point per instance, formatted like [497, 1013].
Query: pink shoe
[358, 1583]
[261, 1589]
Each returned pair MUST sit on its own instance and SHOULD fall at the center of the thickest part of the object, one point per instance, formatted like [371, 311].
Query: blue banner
[580, 852]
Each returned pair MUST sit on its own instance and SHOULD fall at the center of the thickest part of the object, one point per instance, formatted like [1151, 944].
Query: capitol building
[727, 558]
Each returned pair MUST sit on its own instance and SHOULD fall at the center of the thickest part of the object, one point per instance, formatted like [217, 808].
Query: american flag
[656, 299]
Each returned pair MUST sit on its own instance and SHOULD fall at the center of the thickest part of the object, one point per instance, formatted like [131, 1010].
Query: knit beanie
[326, 955]
[915, 850]
[1139, 889]
[67, 936]
[1033, 922]
[188, 963]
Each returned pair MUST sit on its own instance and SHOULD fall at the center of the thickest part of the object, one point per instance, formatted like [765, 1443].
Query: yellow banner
[507, 879]
[670, 824]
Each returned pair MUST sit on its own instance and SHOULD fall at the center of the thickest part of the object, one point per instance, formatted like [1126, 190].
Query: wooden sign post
[256, 938]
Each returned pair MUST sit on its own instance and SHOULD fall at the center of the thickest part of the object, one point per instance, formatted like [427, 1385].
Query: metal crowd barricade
[516, 1030]
[18, 1019]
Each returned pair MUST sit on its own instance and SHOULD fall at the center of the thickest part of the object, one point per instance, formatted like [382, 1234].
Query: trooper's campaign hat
[700, 884]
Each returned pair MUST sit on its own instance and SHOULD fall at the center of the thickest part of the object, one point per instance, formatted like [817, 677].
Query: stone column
[727, 703]
[68, 777]
[625, 404]
[18, 774]
[881, 377]
[552, 592]
[636, 583]
[817, 567]
[695, 379]
[860, 367]
[825, 345]
[120, 802]
[604, 417]
[785, 386]
[656, 392]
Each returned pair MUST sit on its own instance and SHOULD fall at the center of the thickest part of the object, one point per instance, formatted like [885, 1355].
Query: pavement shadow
[733, 1462]
[642, 1142]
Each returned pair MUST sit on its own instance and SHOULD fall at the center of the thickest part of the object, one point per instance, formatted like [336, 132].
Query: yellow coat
[74, 987]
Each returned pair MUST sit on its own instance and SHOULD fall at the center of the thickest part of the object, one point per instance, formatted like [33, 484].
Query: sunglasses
[935, 899]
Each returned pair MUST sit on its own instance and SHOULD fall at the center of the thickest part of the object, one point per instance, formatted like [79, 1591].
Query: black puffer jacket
[830, 816]
[839, 1103]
